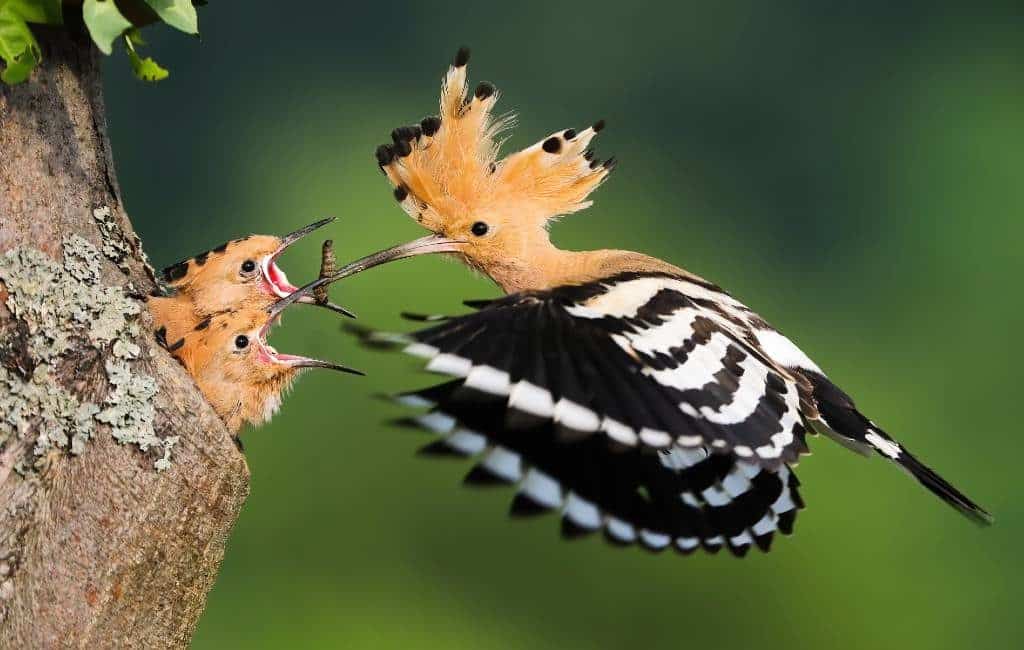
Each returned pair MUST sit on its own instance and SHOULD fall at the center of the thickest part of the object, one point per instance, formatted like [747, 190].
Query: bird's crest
[186, 271]
[447, 166]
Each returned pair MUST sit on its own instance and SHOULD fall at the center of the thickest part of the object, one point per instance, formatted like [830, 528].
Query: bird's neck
[174, 314]
[548, 266]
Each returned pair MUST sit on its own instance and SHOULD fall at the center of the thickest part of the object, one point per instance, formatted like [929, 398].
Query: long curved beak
[338, 309]
[422, 246]
[306, 362]
[295, 236]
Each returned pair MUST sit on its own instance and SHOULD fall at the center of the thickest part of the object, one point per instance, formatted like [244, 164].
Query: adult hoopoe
[239, 274]
[214, 315]
[633, 396]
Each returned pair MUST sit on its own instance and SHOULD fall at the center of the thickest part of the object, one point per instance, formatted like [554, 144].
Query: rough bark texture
[97, 548]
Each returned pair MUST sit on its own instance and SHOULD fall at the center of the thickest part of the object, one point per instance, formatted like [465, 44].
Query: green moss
[59, 311]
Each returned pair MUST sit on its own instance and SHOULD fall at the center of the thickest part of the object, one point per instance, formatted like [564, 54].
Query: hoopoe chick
[240, 374]
[237, 275]
[630, 395]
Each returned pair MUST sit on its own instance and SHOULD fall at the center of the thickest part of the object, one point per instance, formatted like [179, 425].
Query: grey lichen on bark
[97, 546]
[57, 312]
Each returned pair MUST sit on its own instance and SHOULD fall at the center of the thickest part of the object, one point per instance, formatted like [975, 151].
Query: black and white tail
[840, 415]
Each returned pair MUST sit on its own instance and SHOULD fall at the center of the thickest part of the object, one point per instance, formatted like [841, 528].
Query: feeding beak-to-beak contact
[422, 246]
[307, 294]
[279, 282]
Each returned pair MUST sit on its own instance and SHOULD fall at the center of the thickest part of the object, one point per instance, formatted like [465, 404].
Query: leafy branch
[106, 20]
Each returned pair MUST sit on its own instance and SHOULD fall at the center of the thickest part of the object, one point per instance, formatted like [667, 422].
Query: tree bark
[97, 546]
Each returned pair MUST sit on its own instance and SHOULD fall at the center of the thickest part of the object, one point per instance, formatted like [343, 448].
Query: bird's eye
[248, 266]
[241, 341]
[479, 229]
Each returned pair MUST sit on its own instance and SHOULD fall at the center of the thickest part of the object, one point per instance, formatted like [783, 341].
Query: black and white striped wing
[642, 359]
[680, 498]
[624, 404]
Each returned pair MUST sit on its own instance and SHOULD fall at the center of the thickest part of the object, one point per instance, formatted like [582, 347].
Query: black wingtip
[598, 126]
[615, 542]
[367, 337]
[524, 506]
[423, 318]
[480, 477]
[439, 449]
[786, 521]
[740, 550]
[408, 422]
[572, 531]
[461, 57]
[941, 488]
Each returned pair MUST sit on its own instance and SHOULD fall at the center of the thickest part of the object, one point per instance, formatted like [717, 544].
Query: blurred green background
[851, 170]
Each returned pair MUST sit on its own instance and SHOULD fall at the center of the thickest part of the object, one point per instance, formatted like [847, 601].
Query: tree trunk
[111, 529]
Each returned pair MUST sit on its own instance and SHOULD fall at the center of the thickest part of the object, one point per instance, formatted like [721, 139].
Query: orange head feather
[491, 212]
[239, 274]
[239, 373]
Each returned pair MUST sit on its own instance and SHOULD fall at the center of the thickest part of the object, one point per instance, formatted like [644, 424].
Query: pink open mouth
[275, 282]
[274, 279]
[268, 353]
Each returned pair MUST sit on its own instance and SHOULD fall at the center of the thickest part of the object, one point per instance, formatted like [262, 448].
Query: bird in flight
[630, 395]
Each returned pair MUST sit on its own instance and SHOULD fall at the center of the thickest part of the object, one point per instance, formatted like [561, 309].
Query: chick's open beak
[270, 354]
[295, 236]
[279, 282]
[422, 246]
[305, 362]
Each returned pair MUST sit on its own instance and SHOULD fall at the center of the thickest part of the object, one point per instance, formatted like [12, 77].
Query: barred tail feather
[849, 426]
[926, 476]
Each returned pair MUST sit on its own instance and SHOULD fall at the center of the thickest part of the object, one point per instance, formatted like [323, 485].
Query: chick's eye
[241, 341]
[248, 266]
[479, 228]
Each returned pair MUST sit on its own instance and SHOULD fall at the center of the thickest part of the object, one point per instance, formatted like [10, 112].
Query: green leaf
[104, 21]
[145, 69]
[18, 48]
[42, 12]
[179, 14]
[20, 67]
